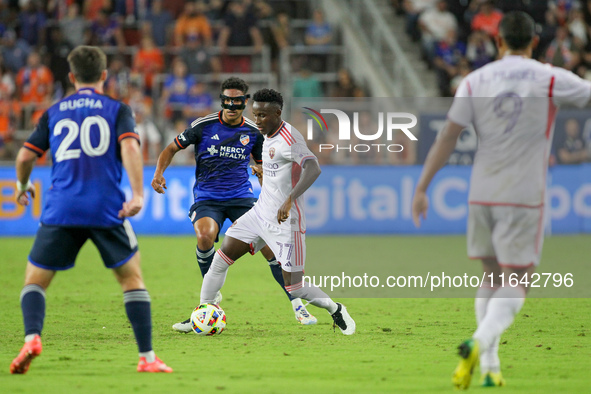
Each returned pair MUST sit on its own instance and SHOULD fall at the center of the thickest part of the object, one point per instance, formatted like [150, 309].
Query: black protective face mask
[240, 102]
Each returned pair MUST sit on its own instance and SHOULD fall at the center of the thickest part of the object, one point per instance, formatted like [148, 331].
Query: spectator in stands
[463, 70]
[14, 51]
[92, 8]
[436, 25]
[480, 50]
[176, 89]
[487, 19]
[106, 30]
[318, 32]
[118, 78]
[240, 30]
[148, 61]
[413, 10]
[58, 49]
[150, 137]
[199, 102]
[448, 54]
[192, 22]
[198, 57]
[74, 27]
[32, 22]
[306, 84]
[160, 21]
[577, 28]
[345, 86]
[131, 11]
[10, 110]
[573, 149]
[559, 52]
[34, 81]
[215, 10]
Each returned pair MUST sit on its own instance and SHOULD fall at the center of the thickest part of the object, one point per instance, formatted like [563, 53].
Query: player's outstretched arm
[164, 160]
[132, 161]
[257, 170]
[438, 155]
[310, 172]
[25, 160]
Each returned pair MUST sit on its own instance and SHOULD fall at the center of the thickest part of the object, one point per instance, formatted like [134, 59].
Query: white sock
[215, 277]
[150, 356]
[314, 295]
[30, 337]
[489, 360]
[296, 303]
[500, 313]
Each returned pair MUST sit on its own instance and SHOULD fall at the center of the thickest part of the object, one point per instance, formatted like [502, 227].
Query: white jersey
[512, 105]
[284, 154]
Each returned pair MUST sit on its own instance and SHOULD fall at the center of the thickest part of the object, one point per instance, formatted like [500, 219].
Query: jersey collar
[86, 90]
[227, 124]
[278, 129]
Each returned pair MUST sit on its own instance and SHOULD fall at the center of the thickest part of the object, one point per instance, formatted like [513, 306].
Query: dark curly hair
[268, 96]
[235, 83]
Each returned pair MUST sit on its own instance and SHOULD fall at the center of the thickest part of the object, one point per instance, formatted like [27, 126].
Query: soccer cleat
[469, 352]
[303, 316]
[218, 298]
[184, 326]
[29, 351]
[492, 379]
[156, 366]
[343, 320]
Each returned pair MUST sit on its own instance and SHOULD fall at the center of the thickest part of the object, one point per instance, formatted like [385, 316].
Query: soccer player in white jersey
[277, 219]
[512, 104]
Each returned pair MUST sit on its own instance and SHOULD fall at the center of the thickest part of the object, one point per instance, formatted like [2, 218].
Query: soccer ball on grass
[208, 319]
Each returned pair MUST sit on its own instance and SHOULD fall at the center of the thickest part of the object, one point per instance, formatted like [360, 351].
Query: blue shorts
[221, 210]
[56, 247]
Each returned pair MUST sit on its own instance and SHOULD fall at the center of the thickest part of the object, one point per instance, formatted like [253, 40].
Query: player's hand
[132, 207]
[283, 212]
[23, 197]
[159, 184]
[420, 204]
[257, 170]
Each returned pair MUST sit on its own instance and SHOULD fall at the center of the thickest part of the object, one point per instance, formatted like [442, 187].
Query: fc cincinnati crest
[271, 152]
[244, 139]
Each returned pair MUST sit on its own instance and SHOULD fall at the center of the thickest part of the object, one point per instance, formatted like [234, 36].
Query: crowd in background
[458, 36]
[163, 56]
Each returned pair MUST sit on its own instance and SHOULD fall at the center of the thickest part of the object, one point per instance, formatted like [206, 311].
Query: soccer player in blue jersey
[224, 142]
[91, 137]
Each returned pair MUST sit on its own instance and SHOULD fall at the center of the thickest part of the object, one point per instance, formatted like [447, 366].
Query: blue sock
[204, 258]
[33, 307]
[137, 306]
[278, 275]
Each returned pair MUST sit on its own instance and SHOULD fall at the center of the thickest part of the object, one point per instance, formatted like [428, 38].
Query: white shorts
[289, 247]
[512, 235]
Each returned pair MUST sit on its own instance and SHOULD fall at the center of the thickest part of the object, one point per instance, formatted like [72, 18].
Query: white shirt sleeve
[569, 88]
[461, 111]
[298, 151]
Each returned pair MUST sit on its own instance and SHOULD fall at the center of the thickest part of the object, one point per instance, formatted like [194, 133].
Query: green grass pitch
[402, 344]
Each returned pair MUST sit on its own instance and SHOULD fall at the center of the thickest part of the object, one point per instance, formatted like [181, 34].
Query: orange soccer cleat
[29, 351]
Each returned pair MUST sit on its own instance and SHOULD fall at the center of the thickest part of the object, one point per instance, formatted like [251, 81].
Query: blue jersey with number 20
[83, 132]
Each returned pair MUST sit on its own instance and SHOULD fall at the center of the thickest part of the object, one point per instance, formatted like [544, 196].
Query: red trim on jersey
[469, 88]
[178, 143]
[539, 231]
[481, 257]
[228, 260]
[516, 265]
[288, 133]
[551, 108]
[504, 204]
[286, 136]
[128, 135]
[32, 147]
[306, 158]
[299, 215]
[278, 129]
